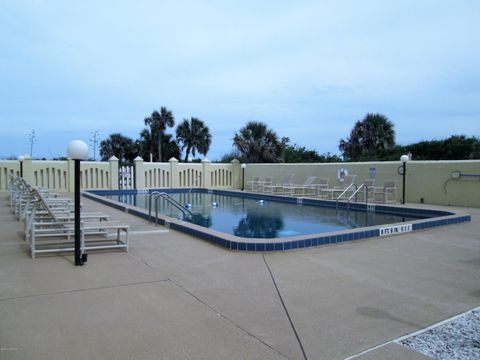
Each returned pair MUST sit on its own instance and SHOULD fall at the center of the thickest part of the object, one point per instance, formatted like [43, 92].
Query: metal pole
[21, 169]
[403, 187]
[243, 177]
[78, 255]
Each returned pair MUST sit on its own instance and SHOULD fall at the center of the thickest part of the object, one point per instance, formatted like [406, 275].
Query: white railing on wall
[58, 175]
[190, 175]
[49, 174]
[175, 174]
[221, 175]
[8, 167]
[96, 175]
[152, 175]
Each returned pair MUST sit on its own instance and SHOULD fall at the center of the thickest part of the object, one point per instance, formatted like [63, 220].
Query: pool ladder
[356, 189]
[157, 195]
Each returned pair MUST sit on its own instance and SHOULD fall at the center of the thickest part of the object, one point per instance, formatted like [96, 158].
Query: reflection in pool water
[259, 225]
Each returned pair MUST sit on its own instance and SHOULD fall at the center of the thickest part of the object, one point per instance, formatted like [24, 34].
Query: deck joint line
[285, 309]
[73, 291]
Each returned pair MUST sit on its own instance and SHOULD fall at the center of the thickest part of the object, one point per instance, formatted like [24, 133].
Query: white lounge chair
[322, 184]
[251, 184]
[50, 234]
[387, 193]
[258, 183]
[279, 187]
[301, 189]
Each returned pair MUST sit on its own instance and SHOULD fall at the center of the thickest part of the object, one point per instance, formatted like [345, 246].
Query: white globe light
[77, 150]
[244, 166]
[404, 158]
[21, 158]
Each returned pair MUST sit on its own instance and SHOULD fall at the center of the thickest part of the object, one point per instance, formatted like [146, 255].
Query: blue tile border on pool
[281, 244]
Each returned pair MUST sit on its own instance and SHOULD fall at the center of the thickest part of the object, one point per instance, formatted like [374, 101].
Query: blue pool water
[263, 218]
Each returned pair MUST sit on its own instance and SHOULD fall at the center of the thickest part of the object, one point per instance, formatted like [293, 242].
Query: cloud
[309, 69]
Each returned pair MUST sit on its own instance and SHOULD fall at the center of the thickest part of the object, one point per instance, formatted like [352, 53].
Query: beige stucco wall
[427, 180]
[430, 180]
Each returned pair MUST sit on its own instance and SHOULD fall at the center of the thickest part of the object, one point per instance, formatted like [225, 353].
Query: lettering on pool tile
[396, 229]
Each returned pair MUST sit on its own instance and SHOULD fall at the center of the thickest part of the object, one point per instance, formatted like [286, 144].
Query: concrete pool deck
[174, 296]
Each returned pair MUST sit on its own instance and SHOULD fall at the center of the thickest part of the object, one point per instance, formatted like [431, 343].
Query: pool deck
[173, 296]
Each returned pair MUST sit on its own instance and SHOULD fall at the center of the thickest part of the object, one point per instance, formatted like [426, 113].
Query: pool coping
[232, 242]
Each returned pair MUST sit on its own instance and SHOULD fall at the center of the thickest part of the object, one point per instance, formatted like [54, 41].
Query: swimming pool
[259, 222]
[260, 218]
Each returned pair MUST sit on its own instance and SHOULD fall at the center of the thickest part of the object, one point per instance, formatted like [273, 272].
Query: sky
[308, 69]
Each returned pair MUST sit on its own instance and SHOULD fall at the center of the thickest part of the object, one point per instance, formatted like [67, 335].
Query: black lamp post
[77, 150]
[243, 175]
[404, 159]
[21, 158]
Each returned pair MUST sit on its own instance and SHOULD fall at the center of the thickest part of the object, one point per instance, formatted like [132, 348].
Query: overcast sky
[309, 69]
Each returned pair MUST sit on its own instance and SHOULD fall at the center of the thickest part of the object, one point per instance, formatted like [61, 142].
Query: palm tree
[257, 143]
[368, 138]
[169, 146]
[156, 124]
[351, 148]
[123, 147]
[194, 136]
[378, 134]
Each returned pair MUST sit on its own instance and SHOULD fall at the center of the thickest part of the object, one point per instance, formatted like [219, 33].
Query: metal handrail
[344, 192]
[354, 195]
[172, 201]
